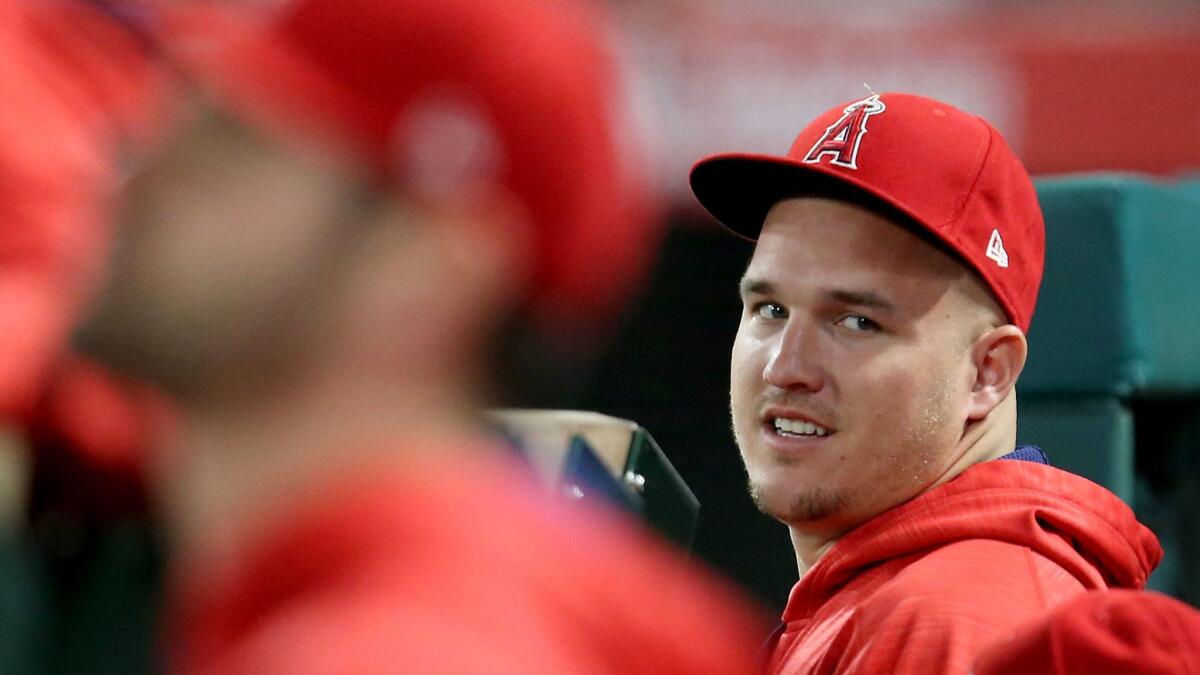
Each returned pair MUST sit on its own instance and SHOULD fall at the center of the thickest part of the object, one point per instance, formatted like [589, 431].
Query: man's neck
[234, 466]
[981, 441]
[810, 547]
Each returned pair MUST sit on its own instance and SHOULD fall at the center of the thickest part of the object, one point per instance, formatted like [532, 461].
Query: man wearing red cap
[363, 209]
[898, 257]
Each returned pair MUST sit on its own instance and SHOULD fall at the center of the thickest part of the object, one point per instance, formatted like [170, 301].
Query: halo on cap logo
[842, 139]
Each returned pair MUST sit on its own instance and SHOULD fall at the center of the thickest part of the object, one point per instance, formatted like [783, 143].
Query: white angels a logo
[842, 138]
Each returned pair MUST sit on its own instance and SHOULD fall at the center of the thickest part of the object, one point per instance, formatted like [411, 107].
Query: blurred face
[851, 367]
[221, 241]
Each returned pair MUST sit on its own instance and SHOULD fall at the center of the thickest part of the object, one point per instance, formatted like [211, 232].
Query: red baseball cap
[1117, 631]
[441, 94]
[950, 173]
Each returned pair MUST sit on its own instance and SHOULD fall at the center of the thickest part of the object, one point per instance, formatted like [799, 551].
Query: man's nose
[796, 358]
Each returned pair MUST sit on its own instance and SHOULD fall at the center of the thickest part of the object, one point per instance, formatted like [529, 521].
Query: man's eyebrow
[753, 286]
[861, 299]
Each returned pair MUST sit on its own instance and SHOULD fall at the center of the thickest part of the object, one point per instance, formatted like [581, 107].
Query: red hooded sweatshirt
[925, 586]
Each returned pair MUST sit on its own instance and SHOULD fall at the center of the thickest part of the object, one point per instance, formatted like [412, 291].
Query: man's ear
[434, 280]
[487, 240]
[997, 357]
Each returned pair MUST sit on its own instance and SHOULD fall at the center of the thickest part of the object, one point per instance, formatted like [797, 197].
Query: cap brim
[740, 189]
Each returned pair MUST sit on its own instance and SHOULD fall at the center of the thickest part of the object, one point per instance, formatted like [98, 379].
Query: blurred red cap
[444, 94]
[1117, 631]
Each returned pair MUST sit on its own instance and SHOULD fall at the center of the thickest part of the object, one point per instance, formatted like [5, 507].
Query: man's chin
[795, 506]
[102, 336]
[121, 344]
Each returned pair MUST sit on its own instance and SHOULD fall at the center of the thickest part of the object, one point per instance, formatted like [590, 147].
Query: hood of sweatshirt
[1075, 523]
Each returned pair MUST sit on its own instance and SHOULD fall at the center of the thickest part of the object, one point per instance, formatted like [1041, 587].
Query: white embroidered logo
[841, 140]
[995, 249]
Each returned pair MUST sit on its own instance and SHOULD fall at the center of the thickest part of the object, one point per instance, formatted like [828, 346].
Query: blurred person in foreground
[365, 207]
[899, 251]
[81, 97]
[1115, 632]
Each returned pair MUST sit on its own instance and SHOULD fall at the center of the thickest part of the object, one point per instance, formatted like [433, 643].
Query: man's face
[220, 241]
[851, 366]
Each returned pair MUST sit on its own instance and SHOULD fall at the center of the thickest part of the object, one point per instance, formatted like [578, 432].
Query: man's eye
[769, 310]
[858, 323]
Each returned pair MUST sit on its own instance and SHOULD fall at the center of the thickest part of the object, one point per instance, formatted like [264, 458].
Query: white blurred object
[545, 437]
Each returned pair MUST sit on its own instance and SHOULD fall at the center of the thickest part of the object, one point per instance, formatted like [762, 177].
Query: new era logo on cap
[841, 140]
[995, 249]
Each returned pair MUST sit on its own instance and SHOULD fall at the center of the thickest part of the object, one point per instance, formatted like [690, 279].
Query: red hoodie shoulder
[1073, 522]
[923, 587]
[938, 611]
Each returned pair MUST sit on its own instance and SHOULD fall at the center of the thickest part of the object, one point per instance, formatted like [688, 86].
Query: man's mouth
[797, 428]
